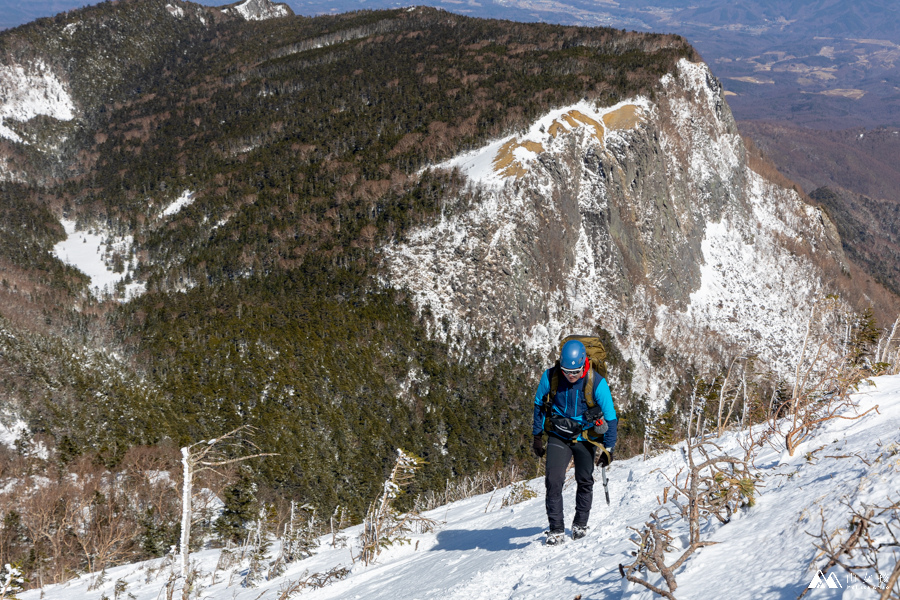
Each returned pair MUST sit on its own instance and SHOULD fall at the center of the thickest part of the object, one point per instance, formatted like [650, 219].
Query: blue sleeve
[543, 389]
[603, 397]
[609, 438]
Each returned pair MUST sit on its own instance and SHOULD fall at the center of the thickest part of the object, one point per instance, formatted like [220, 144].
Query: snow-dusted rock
[259, 10]
[642, 218]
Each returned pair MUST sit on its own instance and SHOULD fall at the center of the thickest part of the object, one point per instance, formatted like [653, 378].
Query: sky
[485, 548]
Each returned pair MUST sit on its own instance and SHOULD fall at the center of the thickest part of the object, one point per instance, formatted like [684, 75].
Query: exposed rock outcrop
[643, 219]
[259, 10]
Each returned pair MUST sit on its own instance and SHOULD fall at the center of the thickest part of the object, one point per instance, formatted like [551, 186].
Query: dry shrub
[468, 486]
[825, 378]
[383, 525]
[313, 582]
[58, 523]
[714, 485]
[866, 550]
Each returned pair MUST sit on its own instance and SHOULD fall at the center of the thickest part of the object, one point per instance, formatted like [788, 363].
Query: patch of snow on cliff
[480, 165]
[260, 10]
[175, 11]
[756, 292]
[26, 92]
[714, 149]
[185, 199]
[425, 262]
[782, 211]
[93, 253]
[12, 428]
[697, 78]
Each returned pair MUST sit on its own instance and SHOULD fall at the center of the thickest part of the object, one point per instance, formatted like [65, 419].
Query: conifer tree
[240, 510]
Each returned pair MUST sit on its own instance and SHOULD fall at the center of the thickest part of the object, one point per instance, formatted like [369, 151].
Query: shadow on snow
[492, 540]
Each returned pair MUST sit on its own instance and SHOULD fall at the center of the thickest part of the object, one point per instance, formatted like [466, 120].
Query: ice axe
[605, 483]
[603, 468]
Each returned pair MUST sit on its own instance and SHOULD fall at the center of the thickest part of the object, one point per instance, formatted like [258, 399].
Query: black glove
[538, 446]
[605, 457]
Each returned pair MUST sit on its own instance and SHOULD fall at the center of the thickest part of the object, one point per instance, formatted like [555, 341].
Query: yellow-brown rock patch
[505, 162]
[625, 117]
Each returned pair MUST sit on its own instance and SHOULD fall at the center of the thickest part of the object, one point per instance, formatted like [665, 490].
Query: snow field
[483, 551]
[29, 91]
[86, 251]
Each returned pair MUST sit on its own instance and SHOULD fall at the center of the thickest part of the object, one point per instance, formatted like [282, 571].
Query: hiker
[580, 424]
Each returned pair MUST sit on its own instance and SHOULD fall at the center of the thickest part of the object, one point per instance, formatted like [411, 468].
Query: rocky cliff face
[259, 10]
[643, 219]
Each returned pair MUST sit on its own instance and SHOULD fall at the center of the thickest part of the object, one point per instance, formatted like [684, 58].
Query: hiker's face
[572, 377]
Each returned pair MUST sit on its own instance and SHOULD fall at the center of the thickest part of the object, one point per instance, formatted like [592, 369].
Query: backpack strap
[547, 404]
[589, 388]
[554, 379]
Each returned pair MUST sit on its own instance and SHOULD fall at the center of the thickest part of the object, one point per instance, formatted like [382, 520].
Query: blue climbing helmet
[572, 356]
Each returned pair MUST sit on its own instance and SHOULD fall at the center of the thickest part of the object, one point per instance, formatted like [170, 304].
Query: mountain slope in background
[644, 219]
[854, 175]
[247, 173]
[484, 549]
[818, 63]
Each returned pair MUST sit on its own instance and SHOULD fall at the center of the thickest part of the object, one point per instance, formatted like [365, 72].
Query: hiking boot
[579, 531]
[555, 537]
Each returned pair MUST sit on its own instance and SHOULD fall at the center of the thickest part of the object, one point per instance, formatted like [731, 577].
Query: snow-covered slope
[643, 218]
[31, 90]
[483, 550]
[259, 10]
[95, 253]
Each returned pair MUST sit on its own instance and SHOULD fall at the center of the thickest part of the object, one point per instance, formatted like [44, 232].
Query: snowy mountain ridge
[260, 10]
[484, 550]
[643, 218]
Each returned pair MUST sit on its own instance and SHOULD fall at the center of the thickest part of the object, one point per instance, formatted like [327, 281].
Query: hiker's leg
[584, 477]
[558, 455]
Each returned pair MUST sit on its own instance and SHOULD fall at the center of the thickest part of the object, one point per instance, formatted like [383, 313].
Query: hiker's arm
[609, 438]
[542, 390]
[603, 397]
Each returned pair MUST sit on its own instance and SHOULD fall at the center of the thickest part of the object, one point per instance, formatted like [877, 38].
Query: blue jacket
[569, 402]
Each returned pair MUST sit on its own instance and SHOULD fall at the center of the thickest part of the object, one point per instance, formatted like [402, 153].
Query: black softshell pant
[558, 455]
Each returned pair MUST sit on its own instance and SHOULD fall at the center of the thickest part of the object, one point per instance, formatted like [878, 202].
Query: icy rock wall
[642, 218]
[260, 10]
